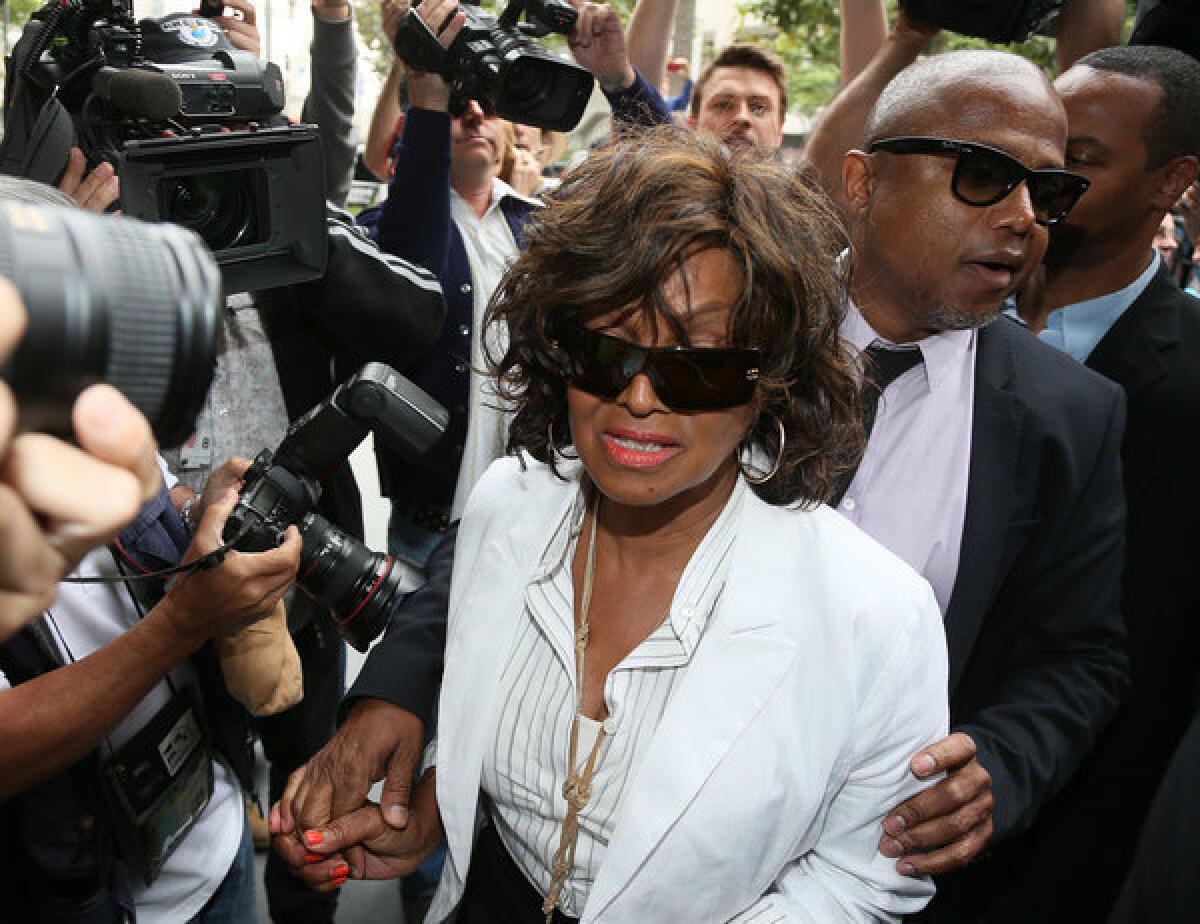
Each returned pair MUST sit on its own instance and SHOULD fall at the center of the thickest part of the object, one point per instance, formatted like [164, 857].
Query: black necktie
[881, 366]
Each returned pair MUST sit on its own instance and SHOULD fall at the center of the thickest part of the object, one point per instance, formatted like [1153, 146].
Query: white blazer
[819, 675]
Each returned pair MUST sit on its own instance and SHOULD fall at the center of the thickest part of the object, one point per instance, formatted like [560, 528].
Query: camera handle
[418, 47]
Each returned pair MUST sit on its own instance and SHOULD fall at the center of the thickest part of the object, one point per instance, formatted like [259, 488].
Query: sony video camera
[193, 127]
[280, 489]
[495, 60]
[1003, 21]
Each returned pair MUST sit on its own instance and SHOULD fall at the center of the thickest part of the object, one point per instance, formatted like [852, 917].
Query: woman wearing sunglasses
[677, 687]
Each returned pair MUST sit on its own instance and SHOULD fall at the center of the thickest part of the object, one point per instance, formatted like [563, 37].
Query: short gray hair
[918, 88]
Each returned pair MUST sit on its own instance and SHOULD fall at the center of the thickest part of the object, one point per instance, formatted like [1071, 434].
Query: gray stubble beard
[944, 317]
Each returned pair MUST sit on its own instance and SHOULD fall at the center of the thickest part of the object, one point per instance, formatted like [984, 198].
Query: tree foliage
[369, 23]
[19, 11]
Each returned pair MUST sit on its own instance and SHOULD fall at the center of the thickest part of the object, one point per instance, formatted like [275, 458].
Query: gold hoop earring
[554, 453]
[763, 479]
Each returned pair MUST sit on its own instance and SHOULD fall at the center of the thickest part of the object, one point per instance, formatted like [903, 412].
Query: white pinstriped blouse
[524, 769]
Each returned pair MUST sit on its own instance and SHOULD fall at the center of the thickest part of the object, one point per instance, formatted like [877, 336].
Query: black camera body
[281, 489]
[1003, 21]
[79, 77]
[1171, 23]
[238, 191]
[496, 60]
[232, 86]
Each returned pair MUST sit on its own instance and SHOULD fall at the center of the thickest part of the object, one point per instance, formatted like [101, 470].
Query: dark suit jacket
[1037, 660]
[1088, 834]
[1163, 886]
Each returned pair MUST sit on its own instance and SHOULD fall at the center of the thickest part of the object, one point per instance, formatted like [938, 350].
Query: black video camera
[1003, 21]
[281, 489]
[1172, 23]
[81, 75]
[495, 60]
[243, 192]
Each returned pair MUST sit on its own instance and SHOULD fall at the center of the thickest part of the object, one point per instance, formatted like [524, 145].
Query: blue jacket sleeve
[405, 667]
[681, 102]
[414, 223]
[639, 105]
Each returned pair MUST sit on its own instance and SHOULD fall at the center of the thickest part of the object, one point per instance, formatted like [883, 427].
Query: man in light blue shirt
[1110, 302]
[1077, 329]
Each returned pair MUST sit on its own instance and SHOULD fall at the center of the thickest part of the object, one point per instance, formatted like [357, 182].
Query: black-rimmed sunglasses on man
[984, 175]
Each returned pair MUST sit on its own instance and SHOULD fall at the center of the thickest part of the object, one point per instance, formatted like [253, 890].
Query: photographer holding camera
[104, 679]
[282, 351]
[114, 801]
[283, 348]
[119, 797]
[448, 210]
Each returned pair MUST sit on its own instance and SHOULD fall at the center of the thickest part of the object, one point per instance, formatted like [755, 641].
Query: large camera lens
[110, 299]
[220, 207]
[539, 90]
[256, 197]
[359, 586]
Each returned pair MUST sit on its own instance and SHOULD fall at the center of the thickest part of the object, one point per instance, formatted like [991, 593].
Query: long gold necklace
[577, 787]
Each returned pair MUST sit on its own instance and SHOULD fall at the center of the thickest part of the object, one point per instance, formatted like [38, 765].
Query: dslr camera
[193, 127]
[1002, 21]
[281, 488]
[497, 61]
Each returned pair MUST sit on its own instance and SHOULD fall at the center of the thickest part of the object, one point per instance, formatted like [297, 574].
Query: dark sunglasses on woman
[985, 175]
[684, 378]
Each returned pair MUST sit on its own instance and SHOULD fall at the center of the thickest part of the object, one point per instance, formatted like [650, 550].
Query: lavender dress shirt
[910, 491]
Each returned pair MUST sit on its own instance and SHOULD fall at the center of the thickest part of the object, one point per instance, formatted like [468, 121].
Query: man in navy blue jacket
[448, 211]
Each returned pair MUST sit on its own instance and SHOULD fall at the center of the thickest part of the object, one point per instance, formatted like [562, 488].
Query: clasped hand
[323, 826]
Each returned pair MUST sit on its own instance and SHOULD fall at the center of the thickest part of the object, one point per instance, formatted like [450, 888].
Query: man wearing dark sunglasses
[1110, 303]
[984, 175]
[448, 210]
[993, 464]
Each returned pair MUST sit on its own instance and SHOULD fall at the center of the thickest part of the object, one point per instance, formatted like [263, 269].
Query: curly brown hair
[621, 225]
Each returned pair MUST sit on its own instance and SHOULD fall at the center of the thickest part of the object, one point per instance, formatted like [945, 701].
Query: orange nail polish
[313, 838]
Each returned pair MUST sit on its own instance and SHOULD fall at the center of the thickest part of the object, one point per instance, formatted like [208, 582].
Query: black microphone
[138, 92]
